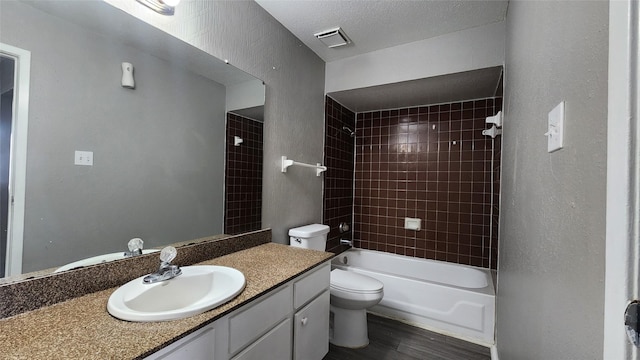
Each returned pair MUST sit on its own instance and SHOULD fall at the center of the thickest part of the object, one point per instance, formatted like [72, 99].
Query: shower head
[349, 131]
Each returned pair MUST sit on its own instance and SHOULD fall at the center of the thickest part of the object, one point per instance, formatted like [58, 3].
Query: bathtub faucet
[345, 242]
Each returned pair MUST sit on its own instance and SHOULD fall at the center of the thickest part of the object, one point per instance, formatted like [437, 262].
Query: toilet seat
[350, 282]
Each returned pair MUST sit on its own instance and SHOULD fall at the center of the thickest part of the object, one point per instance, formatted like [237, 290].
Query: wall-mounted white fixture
[493, 132]
[412, 224]
[286, 163]
[83, 158]
[237, 140]
[127, 76]
[164, 7]
[555, 131]
[495, 119]
[333, 37]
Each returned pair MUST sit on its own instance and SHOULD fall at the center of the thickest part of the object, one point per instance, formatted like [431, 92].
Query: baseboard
[494, 352]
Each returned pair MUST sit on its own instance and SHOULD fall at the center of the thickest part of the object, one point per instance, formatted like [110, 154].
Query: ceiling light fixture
[164, 7]
[333, 37]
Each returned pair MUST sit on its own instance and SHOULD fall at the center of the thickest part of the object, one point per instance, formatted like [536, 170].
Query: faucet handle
[135, 244]
[166, 270]
[167, 254]
[135, 247]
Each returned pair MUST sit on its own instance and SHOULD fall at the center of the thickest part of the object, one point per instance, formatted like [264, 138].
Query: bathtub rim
[489, 274]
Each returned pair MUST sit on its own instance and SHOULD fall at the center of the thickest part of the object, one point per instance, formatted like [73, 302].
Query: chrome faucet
[135, 247]
[167, 270]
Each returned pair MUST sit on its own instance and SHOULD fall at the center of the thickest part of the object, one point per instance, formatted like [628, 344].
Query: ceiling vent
[333, 38]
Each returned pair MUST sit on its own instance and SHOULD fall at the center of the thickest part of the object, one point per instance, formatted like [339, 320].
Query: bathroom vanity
[283, 312]
[291, 321]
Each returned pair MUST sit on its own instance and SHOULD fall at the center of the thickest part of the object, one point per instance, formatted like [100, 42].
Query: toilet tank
[312, 236]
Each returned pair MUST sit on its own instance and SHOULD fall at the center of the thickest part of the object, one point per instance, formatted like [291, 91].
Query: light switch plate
[83, 158]
[555, 129]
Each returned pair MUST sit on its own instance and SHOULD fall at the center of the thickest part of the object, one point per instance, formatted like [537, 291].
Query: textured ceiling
[373, 25]
[476, 84]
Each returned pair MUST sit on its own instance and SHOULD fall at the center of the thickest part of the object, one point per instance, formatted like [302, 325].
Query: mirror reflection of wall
[158, 149]
[7, 69]
[243, 179]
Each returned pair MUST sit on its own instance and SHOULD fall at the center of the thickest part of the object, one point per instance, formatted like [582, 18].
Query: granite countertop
[82, 328]
[44, 272]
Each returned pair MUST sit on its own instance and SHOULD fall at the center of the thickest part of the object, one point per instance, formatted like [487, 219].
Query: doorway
[15, 73]
[7, 85]
[622, 282]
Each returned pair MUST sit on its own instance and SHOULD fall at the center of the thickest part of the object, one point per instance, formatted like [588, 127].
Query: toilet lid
[352, 282]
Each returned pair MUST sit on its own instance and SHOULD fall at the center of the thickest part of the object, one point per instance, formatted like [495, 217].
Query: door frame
[18, 162]
[623, 177]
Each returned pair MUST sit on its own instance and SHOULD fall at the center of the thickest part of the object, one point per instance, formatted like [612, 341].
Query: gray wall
[551, 269]
[252, 40]
[158, 150]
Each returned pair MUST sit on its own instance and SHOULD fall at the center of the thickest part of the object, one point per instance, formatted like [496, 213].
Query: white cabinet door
[274, 345]
[196, 346]
[311, 329]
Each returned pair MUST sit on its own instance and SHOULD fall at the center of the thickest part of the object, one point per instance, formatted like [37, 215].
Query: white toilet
[351, 293]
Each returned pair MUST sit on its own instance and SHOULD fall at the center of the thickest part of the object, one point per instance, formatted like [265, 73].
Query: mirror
[158, 150]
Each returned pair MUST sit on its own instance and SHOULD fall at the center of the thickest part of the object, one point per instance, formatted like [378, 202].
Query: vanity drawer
[258, 318]
[276, 344]
[311, 285]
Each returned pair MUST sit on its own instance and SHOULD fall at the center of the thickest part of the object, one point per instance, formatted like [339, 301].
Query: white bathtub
[454, 299]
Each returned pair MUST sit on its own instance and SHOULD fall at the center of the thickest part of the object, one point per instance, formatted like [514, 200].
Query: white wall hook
[495, 119]
[493, 132]
[237, 140]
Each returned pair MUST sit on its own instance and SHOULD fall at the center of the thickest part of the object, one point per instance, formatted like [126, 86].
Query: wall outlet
[84, 158]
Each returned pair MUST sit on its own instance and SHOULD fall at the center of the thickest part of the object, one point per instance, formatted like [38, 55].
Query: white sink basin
[198, 289]
[99, 260]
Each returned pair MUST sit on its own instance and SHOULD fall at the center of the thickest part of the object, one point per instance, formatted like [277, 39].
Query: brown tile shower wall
[432, 163]
[338, 179]
[243, 176]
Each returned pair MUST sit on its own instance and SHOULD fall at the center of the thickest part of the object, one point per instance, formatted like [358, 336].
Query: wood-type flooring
[393, 340]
